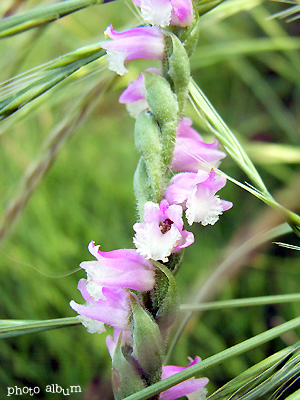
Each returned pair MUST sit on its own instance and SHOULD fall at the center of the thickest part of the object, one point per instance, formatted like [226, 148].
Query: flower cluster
[193, 388]
[120, 283]
[105, 289]
[193, 188]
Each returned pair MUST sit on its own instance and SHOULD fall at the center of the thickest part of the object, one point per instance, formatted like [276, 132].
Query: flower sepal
[126, 379]
[147, 141]
[177, 67]
[163, 105]
[147, 342]
[142, 188]
[189, 36]
[165, 298]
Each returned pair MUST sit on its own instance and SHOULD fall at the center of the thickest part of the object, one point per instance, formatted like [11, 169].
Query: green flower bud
[142, 189]
[163, 105]
[160, 98]
[166, 298]
[177, 68]
[147, 140]
[147, 343]
[126, 378]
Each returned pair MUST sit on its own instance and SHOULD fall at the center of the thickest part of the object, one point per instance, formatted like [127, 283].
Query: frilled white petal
[95, 291]
[116, 61]
[199, 395]
[156, 12]
[91, 325]
[134, 109]
[203, 207]
[151, 243]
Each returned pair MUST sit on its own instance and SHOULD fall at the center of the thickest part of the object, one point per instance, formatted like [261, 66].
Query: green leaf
[20, 23]
[11, 328]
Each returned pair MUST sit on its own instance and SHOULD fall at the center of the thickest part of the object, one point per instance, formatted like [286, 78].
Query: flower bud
[163, 105]
[147, 342]
[178, 68]
[147, 141]
[166, 298]
[142, 188]
[126, 379]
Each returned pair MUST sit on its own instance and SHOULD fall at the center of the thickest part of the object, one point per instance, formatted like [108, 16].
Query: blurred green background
[249, 67]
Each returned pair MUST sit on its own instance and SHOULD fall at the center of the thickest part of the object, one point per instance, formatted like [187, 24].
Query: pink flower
[164, 12]
[135, 95]
[197, 193]
[105, 289]
[136, 43]
[111, 341]
[190, 151]
[123, 268]
[114, 310]
[161, 232]
[186, 388]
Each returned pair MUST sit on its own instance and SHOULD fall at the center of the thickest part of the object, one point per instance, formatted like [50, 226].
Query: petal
[134, 92]
[108, 315]
[156, 12]
[190, 155]
[91, 325]
[191, 152]
[184, 388]
[199, 395]
[121, 259]
[134, 109]
[183, 185]
[152, 212]
[182, 14]
[152, 244]
[187, 238]
[203, 207]
[142, 42]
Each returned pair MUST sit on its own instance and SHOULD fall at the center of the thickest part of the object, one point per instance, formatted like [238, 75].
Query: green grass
[248, 67]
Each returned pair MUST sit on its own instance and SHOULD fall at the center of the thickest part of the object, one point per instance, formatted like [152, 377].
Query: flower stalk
[139, 285]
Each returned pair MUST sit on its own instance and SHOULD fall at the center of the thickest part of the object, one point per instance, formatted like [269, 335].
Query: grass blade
[216, 359]
[20, 23]
[22, 89]
[252, 377]
[11, 328]
[49, 151]
[247, 302]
